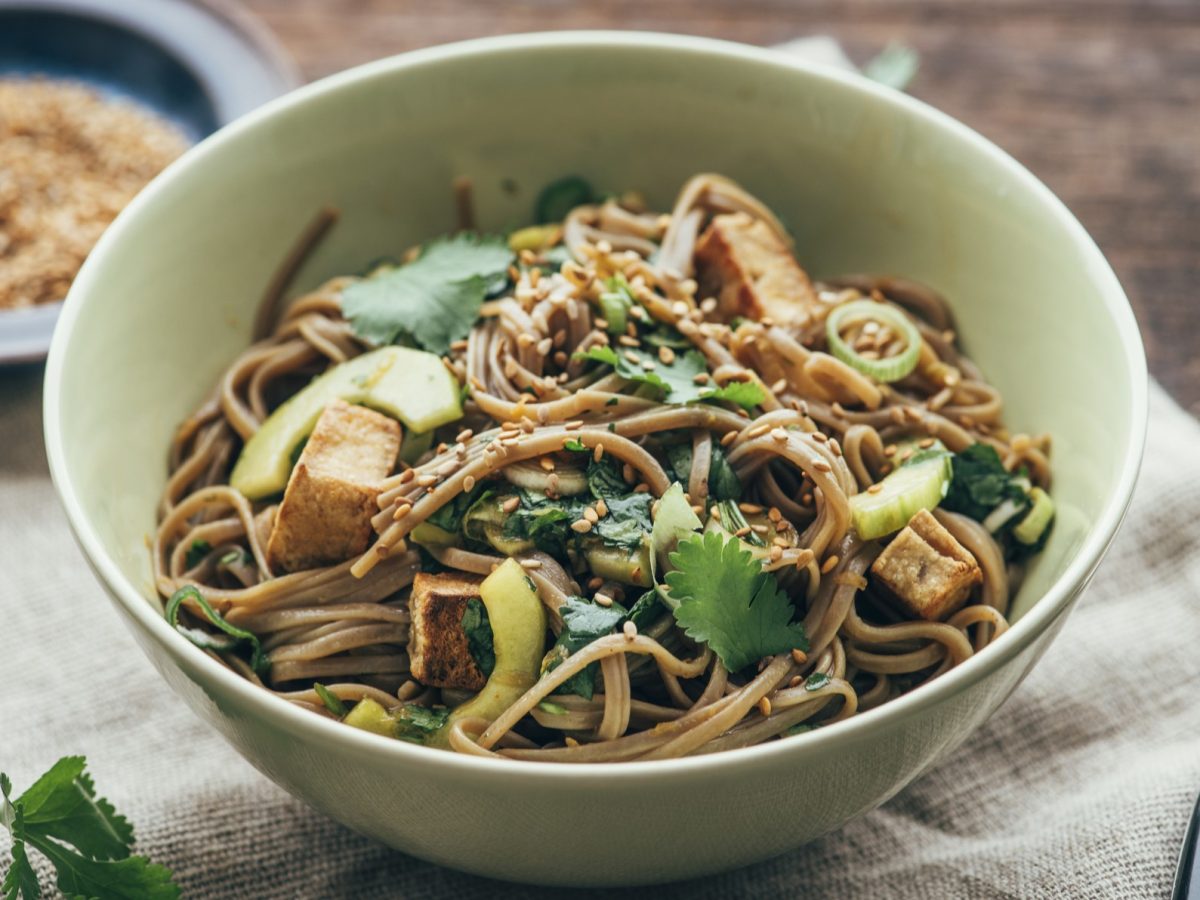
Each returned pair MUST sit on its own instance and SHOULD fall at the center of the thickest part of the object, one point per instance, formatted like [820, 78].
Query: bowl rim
[302, 725]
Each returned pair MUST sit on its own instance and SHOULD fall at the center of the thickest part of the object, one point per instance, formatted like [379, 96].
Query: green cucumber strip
[1030, 529]
[902, 494]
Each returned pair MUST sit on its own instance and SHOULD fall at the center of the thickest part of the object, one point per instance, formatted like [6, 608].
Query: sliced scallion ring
[891, 368]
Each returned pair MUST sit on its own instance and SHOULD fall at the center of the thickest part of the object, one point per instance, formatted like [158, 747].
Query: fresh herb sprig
[88, 842]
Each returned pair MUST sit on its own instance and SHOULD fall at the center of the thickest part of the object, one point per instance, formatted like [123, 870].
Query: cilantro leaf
[436, 298]
[675, 382]
[88, 843]
[729, 603]
[980, 483]
[65, 798]
[478, 629]
[416, 723]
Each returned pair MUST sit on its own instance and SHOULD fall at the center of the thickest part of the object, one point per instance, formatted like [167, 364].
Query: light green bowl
[868, 179]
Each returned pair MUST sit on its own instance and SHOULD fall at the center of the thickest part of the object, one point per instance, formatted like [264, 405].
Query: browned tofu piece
[928, 572]
[325, 516]
[741, 262]
[438, 652]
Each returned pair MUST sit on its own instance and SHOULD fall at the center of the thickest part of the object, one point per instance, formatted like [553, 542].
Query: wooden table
[1100, 98]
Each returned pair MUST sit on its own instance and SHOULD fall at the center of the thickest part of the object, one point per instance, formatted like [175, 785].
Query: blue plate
[199, 65]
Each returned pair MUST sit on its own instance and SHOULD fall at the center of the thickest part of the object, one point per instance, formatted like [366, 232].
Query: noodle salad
[619, 485]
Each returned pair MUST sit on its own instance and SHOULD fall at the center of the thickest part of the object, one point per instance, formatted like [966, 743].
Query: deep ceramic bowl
[868, 179]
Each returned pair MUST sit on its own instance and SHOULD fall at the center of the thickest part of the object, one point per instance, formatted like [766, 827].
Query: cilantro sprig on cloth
[88, 842]
[728, 602]
[433, 300]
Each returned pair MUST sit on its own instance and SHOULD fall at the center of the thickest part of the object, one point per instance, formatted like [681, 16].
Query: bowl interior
[868, 181]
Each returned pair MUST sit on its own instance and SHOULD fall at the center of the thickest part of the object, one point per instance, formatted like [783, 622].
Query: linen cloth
[1079, 786]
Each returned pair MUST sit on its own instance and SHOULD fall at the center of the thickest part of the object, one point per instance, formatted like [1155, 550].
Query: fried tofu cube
[752, 273]
[926, 570]
[325, 516]
[438, 651]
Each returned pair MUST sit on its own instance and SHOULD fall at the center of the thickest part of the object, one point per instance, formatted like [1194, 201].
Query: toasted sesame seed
[716, 513]
[780, 435]
[603, 600]
[407, 475]
[590, 515]
[820, 437]
[750, 509]
[742, 532]
[543, 414]
[448, 468]
[510, 504]
[551, 484]
[531, 563]
[821, 466]
[630, 630]
[926, 444]
[701, 378]
[757, 431]
[546, 463]
[627, 340]
[774, 514]
[796, 681]
[598, 452]
[561, 358]
[649, 365]
[835, 447]
[830, 564]
[427, 480]
[680, 309]
[632, 357]
[525, 339]
[402, 510]
[759, 529]
[799, 657]
[573, 425]
[581, 526]
[601, 508]
[469, 483]
[781, 542]
[764, 706]
[666, 355]
[560, 337]
[779, 386]
[641, 488]
[875, 488]
[728, 438]
[527, 426]
[595, 583]
[776, 553]
[509, 426]
[627, 473]
[441, 448]
[889, 450]
[570, 741]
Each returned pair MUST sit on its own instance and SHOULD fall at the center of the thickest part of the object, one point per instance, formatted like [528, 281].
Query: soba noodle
[823, 432]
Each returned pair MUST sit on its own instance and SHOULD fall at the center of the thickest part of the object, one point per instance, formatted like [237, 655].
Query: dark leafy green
[330, 700]
[81, 834]
[196, 553]
[478, 629]
[583, 622]
[450, 516]
[416, 723]
[980, 483]
[723, 482]
[232, 635]
[675, 382]
[433, 300]
[560, 197]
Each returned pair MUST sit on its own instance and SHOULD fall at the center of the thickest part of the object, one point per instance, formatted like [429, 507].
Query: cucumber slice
[1031, 528]
[903, 493]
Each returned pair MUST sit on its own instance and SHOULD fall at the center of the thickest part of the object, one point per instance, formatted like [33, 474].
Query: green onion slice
[233, 635]
[1031, 528]
[891, 368]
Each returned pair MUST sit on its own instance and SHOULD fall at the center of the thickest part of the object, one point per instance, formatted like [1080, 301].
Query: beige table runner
[1078, 787]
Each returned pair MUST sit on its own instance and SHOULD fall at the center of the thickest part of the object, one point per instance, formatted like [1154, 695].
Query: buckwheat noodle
[825, 432]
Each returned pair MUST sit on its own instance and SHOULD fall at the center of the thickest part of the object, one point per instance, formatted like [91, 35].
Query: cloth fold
[1080, 785]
